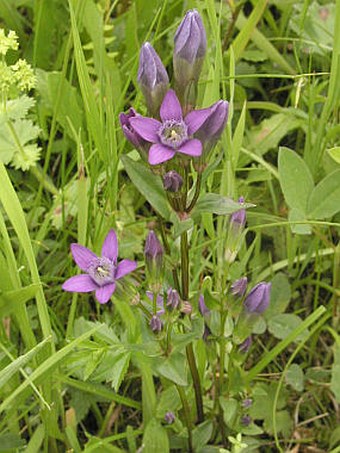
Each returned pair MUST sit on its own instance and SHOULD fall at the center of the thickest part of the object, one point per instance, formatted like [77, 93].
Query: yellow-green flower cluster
[8, 42]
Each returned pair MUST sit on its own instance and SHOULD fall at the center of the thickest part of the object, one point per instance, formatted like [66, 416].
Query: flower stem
[189, 348]
[221, 375]
[196, 194]
[187, 416]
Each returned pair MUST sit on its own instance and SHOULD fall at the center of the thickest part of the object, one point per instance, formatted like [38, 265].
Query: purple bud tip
[204, 310]
[246, 403]
[172, 181]
[172, 299]
[151, 71]
[169, 417]
[239, 287]
[153, 248]
[246, 420]
[239, 218]
[190, 38]
[128, 130]
[156, 324]
[245, 346]
[258, 299]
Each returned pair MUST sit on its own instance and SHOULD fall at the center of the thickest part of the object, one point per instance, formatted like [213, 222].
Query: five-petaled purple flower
[101, 271]
[173, 134]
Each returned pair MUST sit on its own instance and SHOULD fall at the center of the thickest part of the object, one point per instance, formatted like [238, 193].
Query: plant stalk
[187, 416]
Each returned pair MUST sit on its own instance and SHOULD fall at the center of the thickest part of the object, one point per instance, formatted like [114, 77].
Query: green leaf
[335, 154]
[335, 381]
[324, 199]
[155, 439]
[218, 204]
[201, 434]
[295, 377]
[295, 179]
[119, 370]
[149, 185]
[169, 401]
[10, 442]
[174, 368]
[230, 409]
[11, 299]
[282, 325]
[296, 215]
[279, 297]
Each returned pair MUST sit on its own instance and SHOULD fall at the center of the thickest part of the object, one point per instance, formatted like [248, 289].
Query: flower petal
[196, 118]
[159, 153]
[82, 283]
[82, 256]
[146, 127]
[191, 147]
[110, 246]
[171, 108]
[104, 293]
[125, 267]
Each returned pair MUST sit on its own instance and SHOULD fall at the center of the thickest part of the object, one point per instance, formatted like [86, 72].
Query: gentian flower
[236, 226]
[212, 128]
[156, 324]
[152, 77]
[258, 299]
[239, 287]
[172, 181]
[101, 271]
[189, 52]
[128, 131]
[172, 134]
[153, 253]
[204, 310]
[173, 299]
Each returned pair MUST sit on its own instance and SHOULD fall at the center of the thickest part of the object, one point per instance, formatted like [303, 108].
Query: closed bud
[245, 346]
[258, 299]
[204, 310]
[212, 128]
[129, 131]
[239, 287]
[156, 324]
[236, 226]
[153, 252]
[172, 299]
[246, 420]
[172, 181]
[186, 308]
[189, 52]
[152, 78]
[169, 417]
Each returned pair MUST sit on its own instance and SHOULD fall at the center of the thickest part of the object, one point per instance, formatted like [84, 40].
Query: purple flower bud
[245, 346]
[212, 128]
[156, 324]
[152, 78]
[246, 403]
[186, 307]
[189, 51]
[172, 299]
[258, 299]
[238, 218]
[239, 287]
[169, 417]
[172, 181]
[153, 252]
[246, 420]
[128, 130]
[204, 310]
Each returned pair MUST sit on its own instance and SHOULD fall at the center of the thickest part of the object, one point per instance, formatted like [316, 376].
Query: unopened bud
[169, 417]
[172, 181]
[212, 128]
[172, 299]
[156, 324]
[258, 299]
[236, 227]
[153, 252]
[186, 308]
[245, 346]
[239, 287]
[204, 310]
[152, 78]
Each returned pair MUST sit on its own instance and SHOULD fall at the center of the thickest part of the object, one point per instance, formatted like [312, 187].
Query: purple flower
[246, 420]
[238, 218]
[204, 310]
[239, 287]
[258, 299]
[156, 324]
[169, 417]
[173, 134]
[101, 271]
[245, 346]
[152, 77]
[212, 128]
[172, 181]
[172, 299]
[246, 403]
[153, 252]
[128, 130]
[190, 48]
